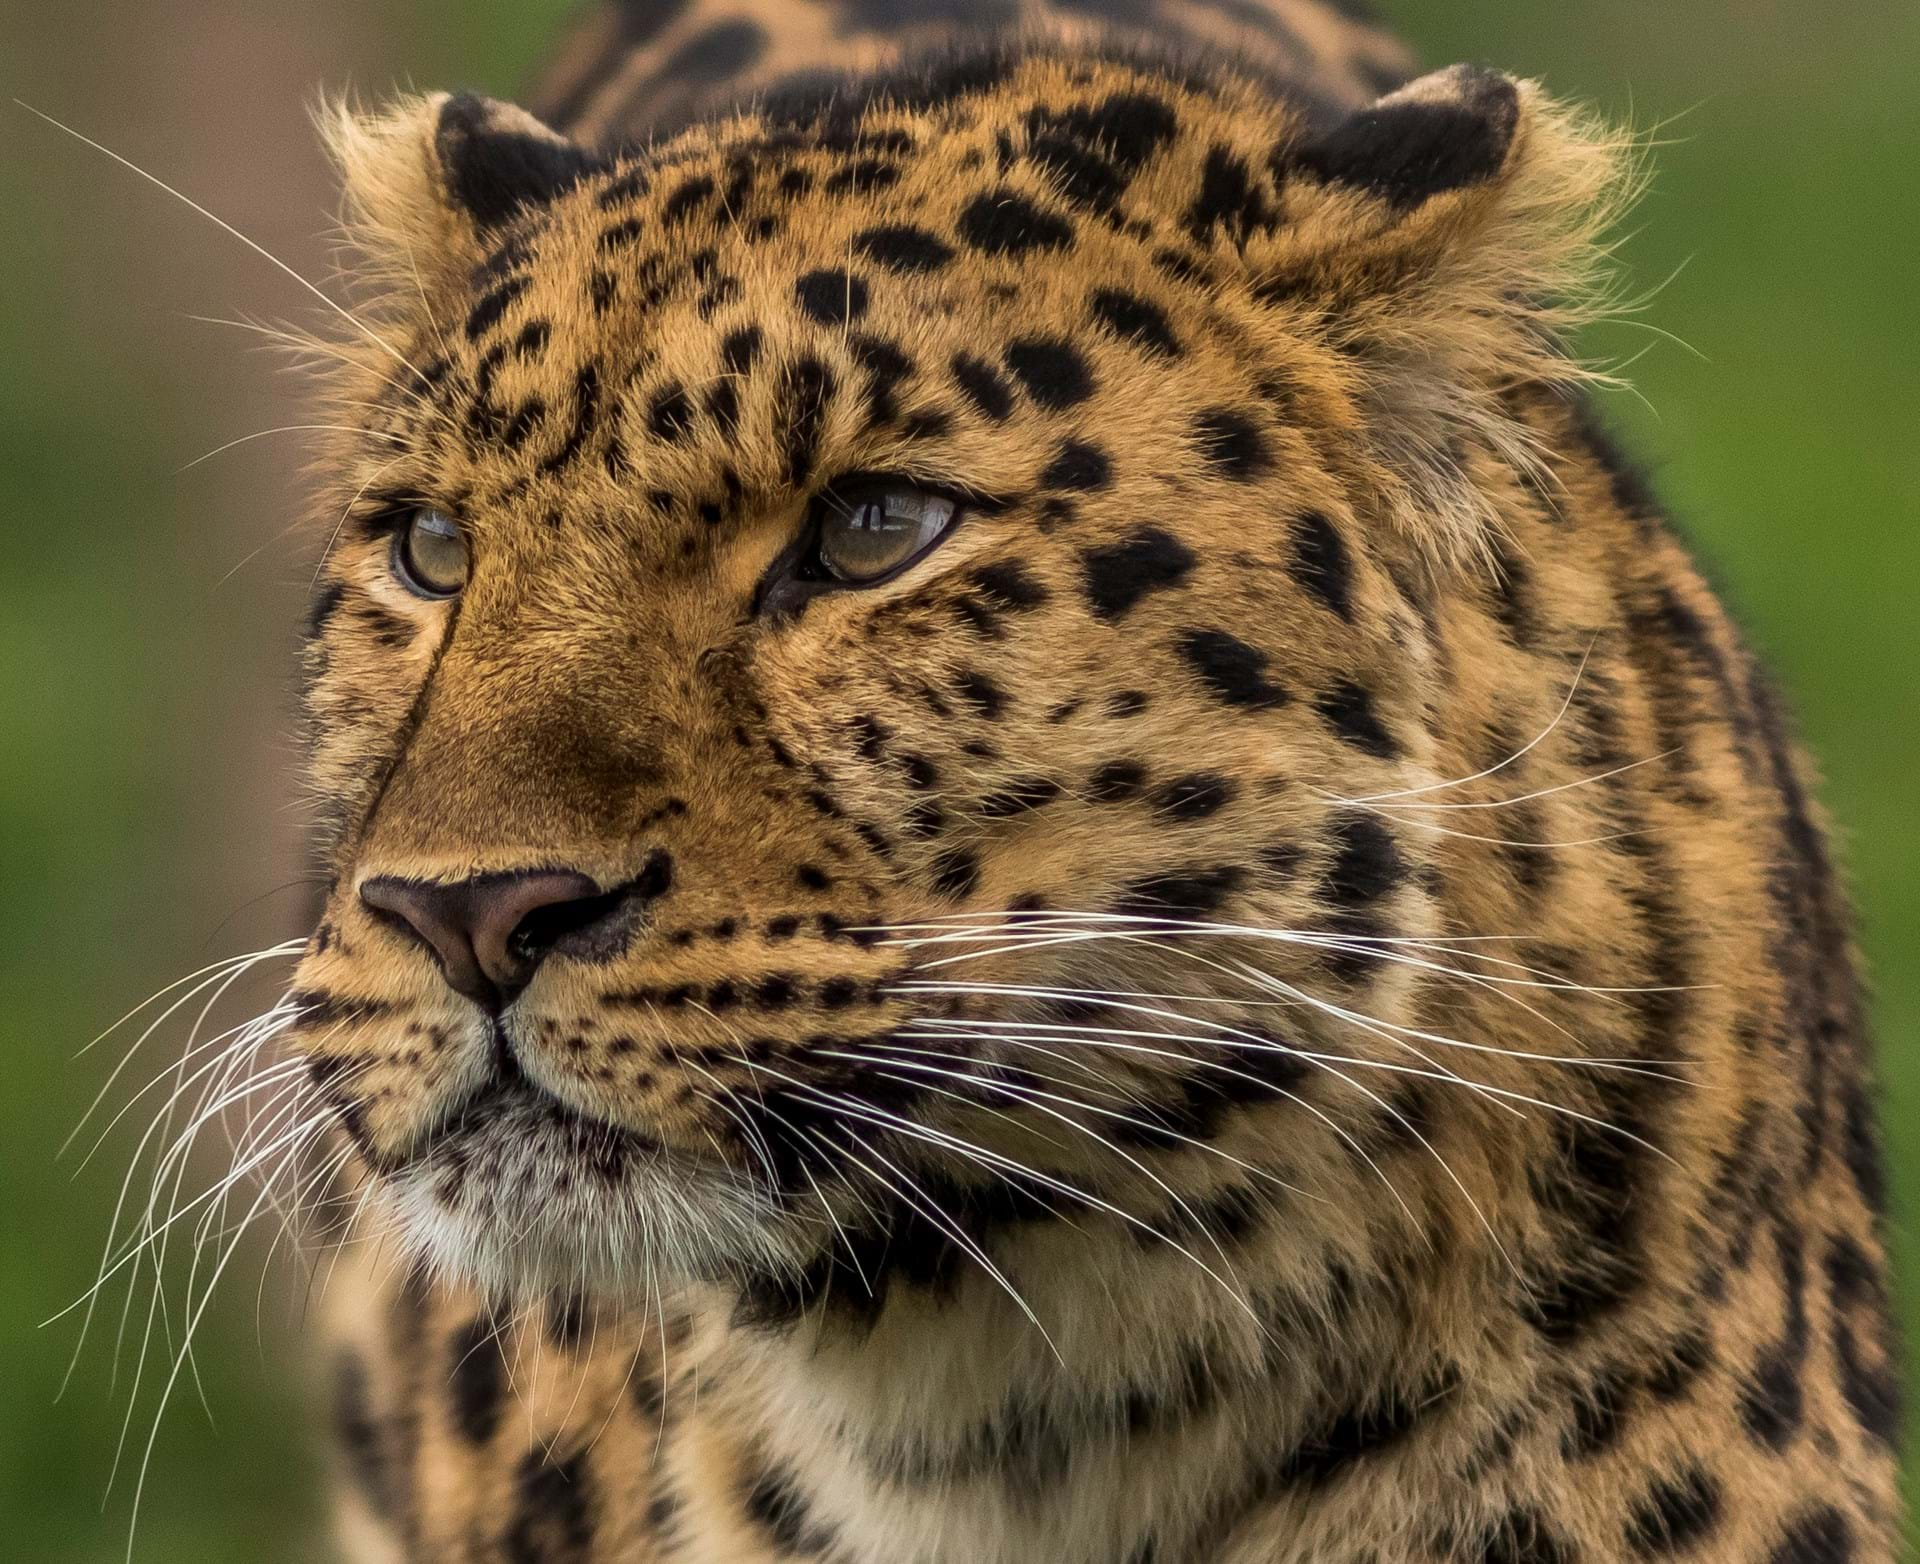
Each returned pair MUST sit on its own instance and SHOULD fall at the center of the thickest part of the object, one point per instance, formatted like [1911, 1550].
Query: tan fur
[1482, 1125]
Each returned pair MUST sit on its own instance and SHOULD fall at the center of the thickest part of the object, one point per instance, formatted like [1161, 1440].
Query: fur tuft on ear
[1447, 242]
[428, 181]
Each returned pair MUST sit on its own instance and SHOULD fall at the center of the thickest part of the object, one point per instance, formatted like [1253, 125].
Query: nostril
[546, 929]
[594, 928]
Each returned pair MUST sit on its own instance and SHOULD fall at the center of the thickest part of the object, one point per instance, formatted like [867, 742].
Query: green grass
[1782, 212]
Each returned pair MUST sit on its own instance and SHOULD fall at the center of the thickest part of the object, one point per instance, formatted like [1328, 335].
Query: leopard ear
[428, 181]
[1446, 242]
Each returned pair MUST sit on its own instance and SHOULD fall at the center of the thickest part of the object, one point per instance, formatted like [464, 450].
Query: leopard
[1034, 851]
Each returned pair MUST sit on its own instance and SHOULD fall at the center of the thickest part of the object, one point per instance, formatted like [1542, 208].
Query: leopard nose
[491, 932]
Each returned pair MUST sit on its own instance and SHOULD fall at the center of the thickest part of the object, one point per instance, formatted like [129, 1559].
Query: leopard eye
[430, 554]
[873, 530]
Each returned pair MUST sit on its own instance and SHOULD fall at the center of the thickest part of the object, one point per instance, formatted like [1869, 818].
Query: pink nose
[491, 932]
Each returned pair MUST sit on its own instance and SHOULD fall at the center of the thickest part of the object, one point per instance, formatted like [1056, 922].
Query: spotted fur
[1278, 996]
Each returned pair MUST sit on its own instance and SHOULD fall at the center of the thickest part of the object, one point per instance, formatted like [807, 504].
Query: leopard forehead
[918, 290]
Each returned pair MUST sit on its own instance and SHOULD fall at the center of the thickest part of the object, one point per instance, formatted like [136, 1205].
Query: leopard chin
[522, 1196]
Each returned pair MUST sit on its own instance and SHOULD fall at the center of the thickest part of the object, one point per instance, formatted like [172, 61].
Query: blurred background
[149, 822]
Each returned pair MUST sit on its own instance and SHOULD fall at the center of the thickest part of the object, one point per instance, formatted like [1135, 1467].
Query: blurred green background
[148, 821]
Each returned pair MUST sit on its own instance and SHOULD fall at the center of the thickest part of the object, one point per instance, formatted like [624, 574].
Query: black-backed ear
[496, 159]
[1446, 241]
[1439, 133]
[427, 180]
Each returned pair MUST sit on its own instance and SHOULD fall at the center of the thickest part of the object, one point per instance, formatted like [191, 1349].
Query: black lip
[594, 1137]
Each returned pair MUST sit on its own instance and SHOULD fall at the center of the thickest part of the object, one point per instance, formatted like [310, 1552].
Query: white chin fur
[516, 1207]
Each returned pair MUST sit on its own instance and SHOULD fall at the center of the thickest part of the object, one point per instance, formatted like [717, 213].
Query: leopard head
[850, 641]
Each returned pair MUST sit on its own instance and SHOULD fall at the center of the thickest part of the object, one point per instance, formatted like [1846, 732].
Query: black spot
[1350, 709]
[487, 313]
[1129, 316]
[1117, 781]
[1409, 151]
[492, 174]
[1004, 223]
[1675, 1514]
[1120, 574]
[1599, 1414]
[1053, 371]
[1523, 1537]
[1076, 170]
[1228, 198]
[1077, 465]
[1321, 564]
[586, 414]
[620, 235]
[1194, 797]
[1024, 795]
[1679, 1365]
[981, 693]
[984, 386]
[904, 249]
[1820, 1535]
[926, 425]
[1010, 586]
[869, 173]
[956, 874]
[670, 414]
[687, 199]
[326, 603]
[887, 367]
[1128, 128]
[553, 1511]
[831, 296]
[1232, 445]
[361, 1438]
[476, 1377]
[805, 391]
[740, 349]
[1233, 670]
[1181, 894]
[774, 1504]
[1354, 1435]
[566, 1321]
[838, 992]
[521, 425]
[1367, 863]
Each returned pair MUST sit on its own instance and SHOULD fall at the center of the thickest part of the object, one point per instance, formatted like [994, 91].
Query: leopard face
[857, 645]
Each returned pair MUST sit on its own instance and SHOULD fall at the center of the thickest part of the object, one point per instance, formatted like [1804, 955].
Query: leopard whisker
[933, 1212]
[1505, 803]
[205, 978]
[191, 1329]
[221, 223]
[991, 1160]
[1559, 716]
[1023, 1092]
[1211, 1065]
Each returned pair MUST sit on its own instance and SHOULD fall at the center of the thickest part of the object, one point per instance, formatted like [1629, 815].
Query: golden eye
[430, 554]
[871, 531]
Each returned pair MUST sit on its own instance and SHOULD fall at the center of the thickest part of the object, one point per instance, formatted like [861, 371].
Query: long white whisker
[219, 222]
